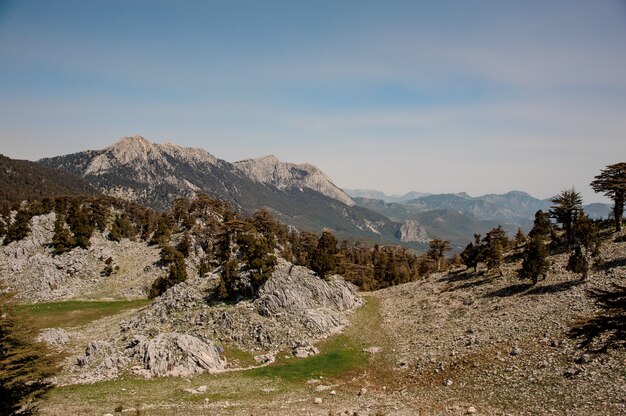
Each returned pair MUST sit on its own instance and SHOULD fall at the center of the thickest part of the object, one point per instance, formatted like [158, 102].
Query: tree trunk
[618, 211]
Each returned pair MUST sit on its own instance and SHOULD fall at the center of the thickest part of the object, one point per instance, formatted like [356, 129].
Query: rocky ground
[29, 268]
[455, 343]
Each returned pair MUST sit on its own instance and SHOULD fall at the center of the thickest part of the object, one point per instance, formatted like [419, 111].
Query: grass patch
[238, 358]
[75, 313]
[339, 355]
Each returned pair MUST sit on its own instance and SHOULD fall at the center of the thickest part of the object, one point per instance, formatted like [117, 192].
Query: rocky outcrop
[173, 354]
[29, 268]
[412, 231]
[271, 171]
[180, 333]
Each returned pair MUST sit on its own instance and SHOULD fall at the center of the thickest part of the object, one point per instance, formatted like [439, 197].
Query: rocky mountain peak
[139, 154]
[270, 170]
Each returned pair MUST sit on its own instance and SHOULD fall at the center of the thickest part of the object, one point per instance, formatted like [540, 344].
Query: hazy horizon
[438, 97]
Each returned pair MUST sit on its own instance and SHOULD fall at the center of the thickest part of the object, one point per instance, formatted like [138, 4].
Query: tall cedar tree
[520, 238]
[587, 245]
[567, 207]
[79, 220]
[19, 228]
[177, 271]
[323, 260]
[612, 182]
[496, 242]
[437, 252]
[26, 365]
[536, 261]
[473, 254]
[62, 240]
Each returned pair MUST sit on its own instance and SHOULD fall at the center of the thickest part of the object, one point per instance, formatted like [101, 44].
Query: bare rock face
[412, 231]
[271, 171]
[181, 331]
[29, 268]
[173, 354]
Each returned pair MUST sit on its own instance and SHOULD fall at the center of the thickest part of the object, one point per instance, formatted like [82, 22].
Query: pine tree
[495, 243]
[612, 182]
[567, 206]
[185, 244]
[26, 365]
[541, 226]
[437, 250]
[62, 240]
[19, 228]
[472, 255]
[323, 260]
[536, 261]
[80, 224]
[520, 238]
[578, 263]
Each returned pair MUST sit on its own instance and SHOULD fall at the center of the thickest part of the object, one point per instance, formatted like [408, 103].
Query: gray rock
[178, 354]
[55, 337]
[303, 352]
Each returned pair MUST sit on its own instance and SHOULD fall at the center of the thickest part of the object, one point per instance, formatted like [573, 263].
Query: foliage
[26, 365]
[496, 241]
[520, 238]
[578, 263]
[177, 272]
[472, 255]
[19, 228]
[81, 224]
[567, 207]
[536, 262]
[62, 240]
[122, 227]
[437, 250]
[323, 257]
[612, 182]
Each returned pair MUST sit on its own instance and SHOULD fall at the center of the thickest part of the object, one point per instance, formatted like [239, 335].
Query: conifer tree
[437, 251]
[62, 240]
[612, 182]
[19, 228]
[78, 218]
[323, 260]
[536, 261]
[520, 238]
[26, 365]
[185, 244]
[472, 255]
[567, 206]
[495, 243]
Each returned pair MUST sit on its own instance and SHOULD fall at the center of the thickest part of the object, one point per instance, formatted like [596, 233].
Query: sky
[398, 96]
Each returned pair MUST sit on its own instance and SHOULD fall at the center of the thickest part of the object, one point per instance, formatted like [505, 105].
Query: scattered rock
[372, 350]
[471, 410]
[515, 351]
[448, 383]
[363, 391]
[317, 400]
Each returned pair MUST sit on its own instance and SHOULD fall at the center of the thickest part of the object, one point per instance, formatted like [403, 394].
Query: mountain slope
[22, 179]
[271, 171]
[156, 174]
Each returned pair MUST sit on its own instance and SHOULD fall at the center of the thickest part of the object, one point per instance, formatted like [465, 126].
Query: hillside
[156, 174]
[456, 343]
[24, 180]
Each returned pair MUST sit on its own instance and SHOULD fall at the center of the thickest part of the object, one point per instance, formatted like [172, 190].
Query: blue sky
[440, 96]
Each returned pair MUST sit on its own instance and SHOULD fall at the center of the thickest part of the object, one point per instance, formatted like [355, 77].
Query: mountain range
[300, 195]
[297, 194]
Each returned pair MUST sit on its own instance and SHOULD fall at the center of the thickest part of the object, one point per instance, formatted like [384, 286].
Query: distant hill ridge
[24, 180]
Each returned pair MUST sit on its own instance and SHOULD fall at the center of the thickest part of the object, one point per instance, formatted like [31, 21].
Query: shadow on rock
[554, 288]
[509, 290]
[608, 329]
